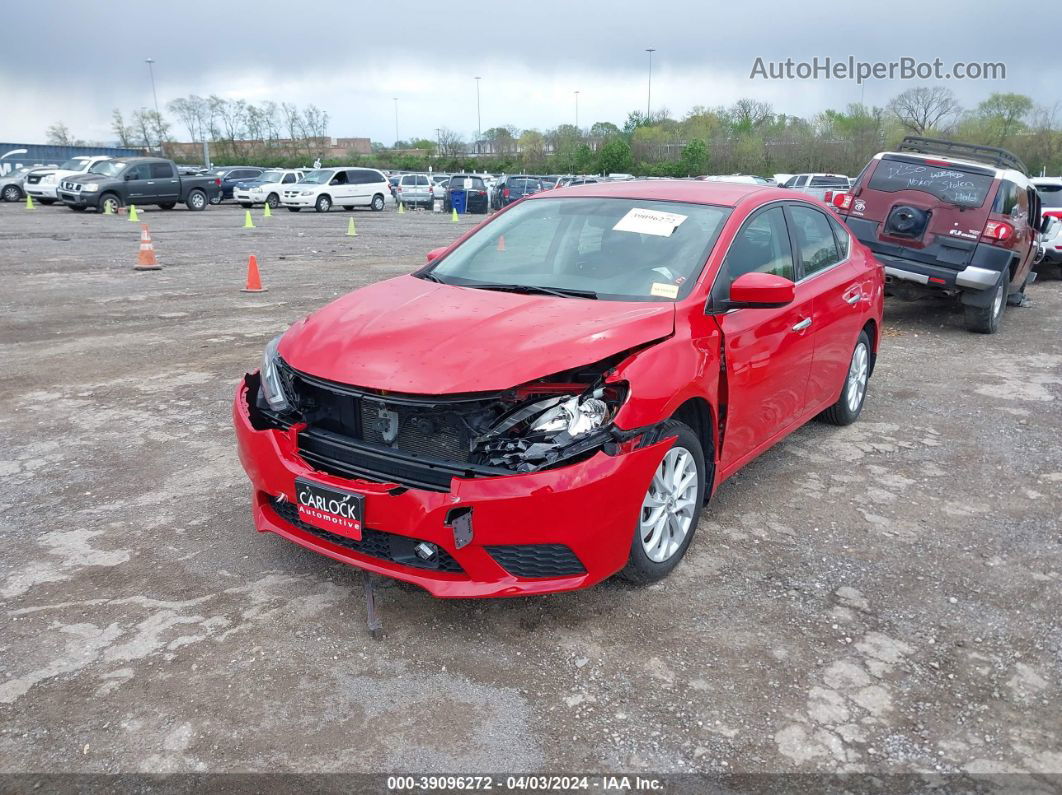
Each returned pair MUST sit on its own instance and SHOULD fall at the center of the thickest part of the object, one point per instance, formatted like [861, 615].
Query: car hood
[420, 337]
[84, 177]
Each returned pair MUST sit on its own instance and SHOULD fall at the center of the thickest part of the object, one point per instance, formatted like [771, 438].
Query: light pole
[649, 99]
[479, 118]
[396, 119]
[576, 110]
[154, 93]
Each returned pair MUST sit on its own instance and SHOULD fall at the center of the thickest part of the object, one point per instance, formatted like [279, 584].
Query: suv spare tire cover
[907, 220]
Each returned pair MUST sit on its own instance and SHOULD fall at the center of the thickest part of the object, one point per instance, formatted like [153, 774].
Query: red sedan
[552, 399]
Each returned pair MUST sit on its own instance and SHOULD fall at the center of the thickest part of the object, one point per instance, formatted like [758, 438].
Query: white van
[323, 188]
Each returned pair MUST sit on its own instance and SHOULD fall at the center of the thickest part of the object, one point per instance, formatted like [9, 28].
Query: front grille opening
[374, 543]
[537, 561]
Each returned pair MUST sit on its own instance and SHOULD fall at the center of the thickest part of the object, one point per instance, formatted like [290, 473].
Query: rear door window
[949, 183]
[1007, 199]
[161, 171]
[814, 238]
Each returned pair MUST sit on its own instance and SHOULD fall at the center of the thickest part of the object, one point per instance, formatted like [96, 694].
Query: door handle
[853, 297]
[803, 324]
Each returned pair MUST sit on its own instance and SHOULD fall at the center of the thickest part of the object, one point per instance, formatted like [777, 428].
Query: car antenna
[373, 618]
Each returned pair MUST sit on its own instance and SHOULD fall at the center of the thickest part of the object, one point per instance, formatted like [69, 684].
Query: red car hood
[420, 337]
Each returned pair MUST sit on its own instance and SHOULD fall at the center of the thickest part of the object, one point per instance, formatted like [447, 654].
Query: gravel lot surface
[884, 597]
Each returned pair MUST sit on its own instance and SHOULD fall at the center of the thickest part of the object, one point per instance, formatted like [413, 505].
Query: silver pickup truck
[818, 185]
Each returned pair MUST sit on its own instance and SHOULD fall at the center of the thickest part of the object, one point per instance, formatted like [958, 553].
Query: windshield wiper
[561, 292]
[431, 277]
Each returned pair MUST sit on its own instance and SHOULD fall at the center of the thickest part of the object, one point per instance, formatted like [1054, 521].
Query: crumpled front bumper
[591, 507]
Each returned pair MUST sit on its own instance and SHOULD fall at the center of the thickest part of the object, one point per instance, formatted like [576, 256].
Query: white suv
[266, 187]
[1050, 191]
[43, 184]
[323, 188]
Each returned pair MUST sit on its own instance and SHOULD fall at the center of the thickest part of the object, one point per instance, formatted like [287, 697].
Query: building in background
[14, 156]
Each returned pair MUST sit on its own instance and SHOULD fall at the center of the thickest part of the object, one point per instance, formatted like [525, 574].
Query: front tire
[197, 200]
[986, 319]
[323, 204]
[850, 404]
[377, 202]
[670, 509]
[110, 201]
[273, 201]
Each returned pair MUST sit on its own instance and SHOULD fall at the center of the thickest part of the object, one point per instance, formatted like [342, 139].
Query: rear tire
[377, 202]
[670, 510]
[323, 204]
[986, 319]
[197, 200]
[12, 193]
[854, 391]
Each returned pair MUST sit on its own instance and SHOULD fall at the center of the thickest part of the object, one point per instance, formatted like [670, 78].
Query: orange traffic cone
[254, 280]
[146, 261]
[501, 242]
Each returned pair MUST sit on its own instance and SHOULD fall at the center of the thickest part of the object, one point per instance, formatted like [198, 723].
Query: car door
[136, 179]
[840, 298]
[768, 352]
[164, 182]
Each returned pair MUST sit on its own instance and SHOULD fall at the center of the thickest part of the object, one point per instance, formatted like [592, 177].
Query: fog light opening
[426, 551]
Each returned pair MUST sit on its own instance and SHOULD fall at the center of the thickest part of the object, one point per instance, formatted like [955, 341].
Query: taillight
[828, 197]
[998, 231]
[842, 201]
[218, 182]
[1052, 213]
[505, 193]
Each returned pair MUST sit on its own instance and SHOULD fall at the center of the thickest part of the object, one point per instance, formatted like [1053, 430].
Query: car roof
[1047, 181]
[727, 194]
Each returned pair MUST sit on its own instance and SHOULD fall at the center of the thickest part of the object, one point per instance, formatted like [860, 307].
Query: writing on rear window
[948, 184]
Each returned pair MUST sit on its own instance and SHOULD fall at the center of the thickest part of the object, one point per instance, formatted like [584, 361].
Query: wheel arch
[696, 412]
[871, 329]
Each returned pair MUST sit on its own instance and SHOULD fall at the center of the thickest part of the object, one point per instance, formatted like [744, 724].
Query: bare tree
[294, 124]
[194, 113]
[122, 131]
[151, 128]
[59, 135]
[450, 143]
[315, 122]
[924, 109]
[749, 114]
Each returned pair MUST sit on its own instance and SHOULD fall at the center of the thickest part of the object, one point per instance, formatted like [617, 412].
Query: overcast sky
[75, 61]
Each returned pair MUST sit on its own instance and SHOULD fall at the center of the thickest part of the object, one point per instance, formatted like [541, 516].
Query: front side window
[814, 238]
[288, 179]
[618, 249]
[138, 172]
[762, 246]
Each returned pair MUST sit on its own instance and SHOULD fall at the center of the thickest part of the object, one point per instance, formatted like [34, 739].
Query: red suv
[553, 398]
[950, 218]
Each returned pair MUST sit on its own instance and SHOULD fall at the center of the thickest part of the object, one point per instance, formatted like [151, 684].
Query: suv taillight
[998, 231]
[842, 201]
[505, 193]
[218, 182]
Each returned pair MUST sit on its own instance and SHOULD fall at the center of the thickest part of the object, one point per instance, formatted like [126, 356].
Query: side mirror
[130, 176]
[760, 291]
[435, 253]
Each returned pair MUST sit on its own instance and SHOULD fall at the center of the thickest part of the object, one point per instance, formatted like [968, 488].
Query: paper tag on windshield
[664, 290]
[649, 222]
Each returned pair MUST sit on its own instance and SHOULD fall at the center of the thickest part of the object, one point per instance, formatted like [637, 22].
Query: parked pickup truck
[136, 180]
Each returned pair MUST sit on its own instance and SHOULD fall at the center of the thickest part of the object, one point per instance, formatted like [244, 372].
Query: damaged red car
[553, 398]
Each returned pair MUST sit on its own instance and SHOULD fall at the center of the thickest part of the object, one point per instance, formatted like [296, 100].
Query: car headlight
[272, 386]
[307, 193]
[573, 415]
[90, 187]
[49, 179]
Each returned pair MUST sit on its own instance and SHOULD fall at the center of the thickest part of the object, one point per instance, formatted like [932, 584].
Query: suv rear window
[466, 183]
[947, 183]
[1050, 196]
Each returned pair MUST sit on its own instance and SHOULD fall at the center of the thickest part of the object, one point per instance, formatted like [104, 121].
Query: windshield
[1050, 196]
[318, 177]
[107, 168]
[74, 164]
[620, 249]
[269, 176]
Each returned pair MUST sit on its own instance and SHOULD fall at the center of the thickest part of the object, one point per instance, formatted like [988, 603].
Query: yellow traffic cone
[453, 215]
[266, 212]
[132, 213]
[401, 208]
[29, 202]
[247, 222]
[107, 209]
[351, 231]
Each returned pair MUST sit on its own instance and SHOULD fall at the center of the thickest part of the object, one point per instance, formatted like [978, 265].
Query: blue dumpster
[459, 201]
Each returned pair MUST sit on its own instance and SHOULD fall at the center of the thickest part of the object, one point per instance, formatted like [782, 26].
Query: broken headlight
[574, 415]
[272, 385]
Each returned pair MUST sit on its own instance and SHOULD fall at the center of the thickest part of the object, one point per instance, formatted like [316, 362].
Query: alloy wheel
[858, 372]
[669, 505]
